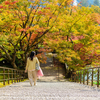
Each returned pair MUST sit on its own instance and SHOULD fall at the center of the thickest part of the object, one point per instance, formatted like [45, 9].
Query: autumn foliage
[47, 26]
[23, 25]
[77, 41]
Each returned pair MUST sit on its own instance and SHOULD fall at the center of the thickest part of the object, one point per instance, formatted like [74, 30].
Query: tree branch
[33, 16]
[8, 56]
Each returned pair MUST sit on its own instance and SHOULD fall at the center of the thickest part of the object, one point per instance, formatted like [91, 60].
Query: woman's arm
[27, 64]
[37, 61]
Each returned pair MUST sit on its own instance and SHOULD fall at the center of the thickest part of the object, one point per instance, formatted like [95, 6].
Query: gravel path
[49, 91]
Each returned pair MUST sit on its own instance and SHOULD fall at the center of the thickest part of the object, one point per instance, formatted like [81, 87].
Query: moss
[10, 82]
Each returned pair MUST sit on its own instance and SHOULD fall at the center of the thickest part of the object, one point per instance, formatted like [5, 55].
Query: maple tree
[73, 32]
[77, 40]
[24, 24]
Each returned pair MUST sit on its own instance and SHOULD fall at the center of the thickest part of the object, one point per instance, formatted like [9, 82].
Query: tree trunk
[14, 65]
[26, 56]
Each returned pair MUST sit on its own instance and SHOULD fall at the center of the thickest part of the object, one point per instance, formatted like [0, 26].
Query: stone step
[49, 91]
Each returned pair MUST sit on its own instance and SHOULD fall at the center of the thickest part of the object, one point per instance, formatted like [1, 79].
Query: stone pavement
[49, 88]
[49, 91]
[51, 72]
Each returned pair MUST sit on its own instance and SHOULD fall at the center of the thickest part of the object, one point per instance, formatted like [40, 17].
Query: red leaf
[48, 8]
[40, 12]
[1, 6]
[24, 30]
[14, 2]
[7, 2]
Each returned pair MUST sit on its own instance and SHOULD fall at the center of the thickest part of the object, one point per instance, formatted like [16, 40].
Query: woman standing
[30, 67]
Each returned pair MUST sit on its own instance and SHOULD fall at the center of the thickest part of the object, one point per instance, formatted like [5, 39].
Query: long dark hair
[32, 54]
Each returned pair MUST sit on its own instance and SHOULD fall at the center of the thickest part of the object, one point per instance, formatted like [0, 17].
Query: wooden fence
[7, 74]
[89, 76]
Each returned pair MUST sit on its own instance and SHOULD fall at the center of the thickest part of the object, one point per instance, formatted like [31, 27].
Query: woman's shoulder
[28, 58]
[35, 57]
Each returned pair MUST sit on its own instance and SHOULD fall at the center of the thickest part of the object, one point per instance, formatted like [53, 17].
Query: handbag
[39, 73]
[37, 67]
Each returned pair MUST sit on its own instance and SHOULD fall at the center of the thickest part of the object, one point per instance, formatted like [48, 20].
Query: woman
[30, 67]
